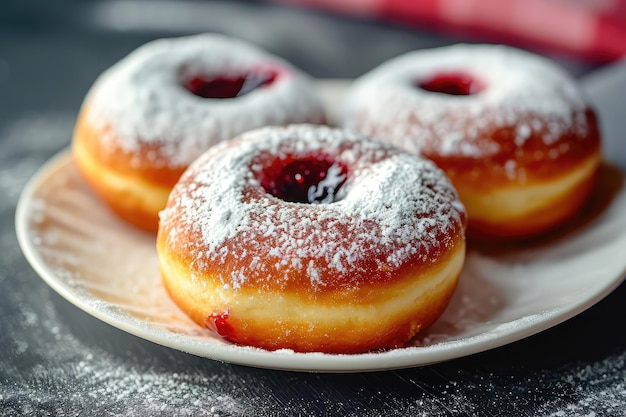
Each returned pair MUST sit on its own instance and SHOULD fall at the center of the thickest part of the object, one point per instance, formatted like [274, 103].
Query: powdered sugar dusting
[142, 99]
[520, 87]
[396, 206]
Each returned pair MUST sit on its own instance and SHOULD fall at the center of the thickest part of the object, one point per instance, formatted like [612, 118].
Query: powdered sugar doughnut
[512, 131]
[146, 118]
[312, 239]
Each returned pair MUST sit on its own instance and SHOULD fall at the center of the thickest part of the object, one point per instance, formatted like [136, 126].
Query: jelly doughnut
[511, 129]
[150, 115]
[312, 239]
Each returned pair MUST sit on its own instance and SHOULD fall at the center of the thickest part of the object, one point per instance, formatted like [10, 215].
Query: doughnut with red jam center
[312, 239]
[512, 131]
[150, 115]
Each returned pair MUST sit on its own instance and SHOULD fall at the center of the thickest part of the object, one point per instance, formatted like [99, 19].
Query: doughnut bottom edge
[530, 210]
[272, 320]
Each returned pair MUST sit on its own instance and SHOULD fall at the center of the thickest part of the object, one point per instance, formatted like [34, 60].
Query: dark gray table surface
[57, 360]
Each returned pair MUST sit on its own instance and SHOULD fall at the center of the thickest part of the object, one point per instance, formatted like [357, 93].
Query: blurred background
[48, 44]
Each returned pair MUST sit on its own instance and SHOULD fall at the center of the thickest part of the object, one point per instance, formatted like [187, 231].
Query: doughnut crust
[365, 272]
[521, 146]
[133, 187]
[142, 124]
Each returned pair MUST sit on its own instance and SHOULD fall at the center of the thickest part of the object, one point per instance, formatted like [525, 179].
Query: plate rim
[281, 359]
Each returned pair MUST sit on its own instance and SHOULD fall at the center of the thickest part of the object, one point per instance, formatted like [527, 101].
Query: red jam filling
[229, 85]
[313, 180]
[453, 83]
[218, 322]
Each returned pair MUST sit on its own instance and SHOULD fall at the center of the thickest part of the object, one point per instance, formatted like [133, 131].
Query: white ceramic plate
[110, 270]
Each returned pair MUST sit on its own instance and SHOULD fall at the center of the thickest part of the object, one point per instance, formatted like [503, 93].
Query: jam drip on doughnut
[452, 83]
[231, 85]
[218, 323]
[310, 180]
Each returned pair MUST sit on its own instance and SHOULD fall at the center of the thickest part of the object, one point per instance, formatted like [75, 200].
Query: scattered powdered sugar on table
[89, 377]
[589, 390]
[140, 101]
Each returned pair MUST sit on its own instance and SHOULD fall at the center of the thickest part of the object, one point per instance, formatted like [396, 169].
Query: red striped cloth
[589, 29]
